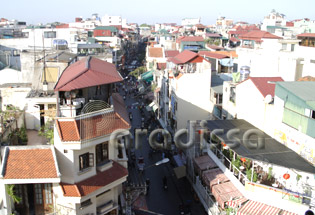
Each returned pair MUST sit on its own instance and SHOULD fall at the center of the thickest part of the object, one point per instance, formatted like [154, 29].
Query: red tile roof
[212, 54]
[306, 35]
[263, 85]
[215, 47]
[95, 126]
[87, 72]
[100, 180]
[228, 53]
[233, 39]
[307, 78]
[171, 53]
[184, 57]
[213, 35]
[258, 35]
[238, 32]
[189, 39]
[155, 52]
[161, 66]
[30, 163]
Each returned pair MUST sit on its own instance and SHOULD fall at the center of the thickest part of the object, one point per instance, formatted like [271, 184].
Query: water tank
[244, 72]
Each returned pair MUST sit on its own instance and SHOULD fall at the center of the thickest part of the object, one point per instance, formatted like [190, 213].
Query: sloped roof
[155, 52]
[215, 47]
[95, 126]
[190, 39]
[264, 86]
[228, 53]
[307, 78]
[211, 54]
[111, 28]
[171, 53]
[306, 35]
[87, 72]
[92, 184]
[30, 162]
[258, 35]
[161, 66]
[184, 57]
[233, 39]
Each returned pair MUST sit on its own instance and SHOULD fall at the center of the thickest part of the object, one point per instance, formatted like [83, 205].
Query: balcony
[96, 120]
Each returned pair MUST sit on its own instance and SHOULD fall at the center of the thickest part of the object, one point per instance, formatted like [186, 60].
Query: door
[43, 198]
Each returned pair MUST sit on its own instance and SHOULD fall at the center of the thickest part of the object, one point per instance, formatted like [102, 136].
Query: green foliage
[137, 72]
[145, 25]
[298, 177]
[47, 131]
[11, 193]
[214, 139]
[249, 175]
[213, 41]
[247, 163]
[22, 134]
[153, 87]
[269, 173]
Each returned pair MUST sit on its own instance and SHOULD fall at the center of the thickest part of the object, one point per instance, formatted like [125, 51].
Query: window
[85, 203]
[38, 194]
[48, 194]
[232, 94]
[284, 46]
[292, 47]
[86, 160]
[18, 188]
[50, 34]
[101, 153]
[312, 61]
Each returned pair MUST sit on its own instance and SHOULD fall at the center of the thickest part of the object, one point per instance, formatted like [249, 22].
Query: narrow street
[158, 200]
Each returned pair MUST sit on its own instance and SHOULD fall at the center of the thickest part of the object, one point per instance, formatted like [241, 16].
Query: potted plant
[236, 165]
[23, 135]
[249, 175]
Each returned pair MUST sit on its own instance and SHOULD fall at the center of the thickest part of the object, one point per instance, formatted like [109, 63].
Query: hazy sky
[159, 11]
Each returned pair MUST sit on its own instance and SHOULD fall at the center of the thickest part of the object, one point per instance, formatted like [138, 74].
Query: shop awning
[204, 162]
[273, 151]
[225, 192]
[152, 106]
[253, 207]
[214, 176]
[147, 76]
[237, 203]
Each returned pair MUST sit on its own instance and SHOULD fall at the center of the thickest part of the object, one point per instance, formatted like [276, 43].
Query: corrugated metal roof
[87, 72]
[302, 89]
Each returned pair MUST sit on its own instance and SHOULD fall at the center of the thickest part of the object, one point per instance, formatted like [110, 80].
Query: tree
[137, 72]
[11, 193]
[47, 131]
[145, 25]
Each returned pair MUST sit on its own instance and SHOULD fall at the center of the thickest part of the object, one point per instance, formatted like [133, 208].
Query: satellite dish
[268, 99]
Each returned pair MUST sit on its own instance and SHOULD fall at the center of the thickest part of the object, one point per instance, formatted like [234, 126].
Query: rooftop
[302, 89]
[87, 72]
[92, 184]
[271, 152]
[266, 85]
[29, 162]
[155, 52]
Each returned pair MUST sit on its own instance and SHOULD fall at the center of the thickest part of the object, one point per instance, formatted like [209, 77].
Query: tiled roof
[161, 66]
[87, 72]
[215, 47]
[90, 185]
[155, 52]
[263, 86]
[213, 35]
[171, 53]
[307, 78]
[228, 53]
[95, 126]
[190, 39]
[212, 54]
[184, 57]
[233, 39]
[258, 35]
[30, 163]
[238, 32]
[306, 35]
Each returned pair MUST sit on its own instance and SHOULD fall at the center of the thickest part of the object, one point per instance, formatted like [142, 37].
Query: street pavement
[158, 200]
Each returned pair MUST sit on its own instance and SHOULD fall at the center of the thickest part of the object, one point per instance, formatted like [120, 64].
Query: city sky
[151, 12]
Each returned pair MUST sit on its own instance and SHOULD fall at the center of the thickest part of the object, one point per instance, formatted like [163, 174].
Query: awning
[152, 106]
[235, 203]
[273, 151]
[225, 192]
[253, 207]
[213, 177]
[180, 171]
[226, 62]
[203, 163]
[147, 76]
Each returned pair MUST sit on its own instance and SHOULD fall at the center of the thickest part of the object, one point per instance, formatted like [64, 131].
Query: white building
[273, 19]
[190, 21]
[113, 20]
